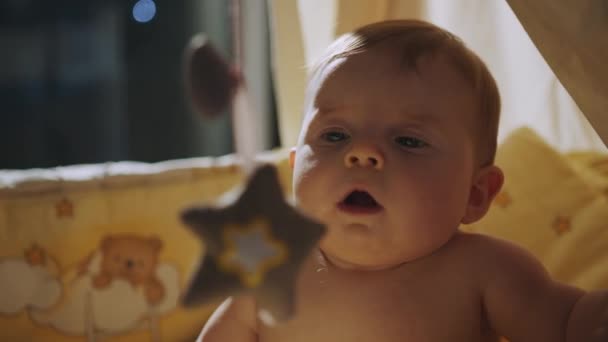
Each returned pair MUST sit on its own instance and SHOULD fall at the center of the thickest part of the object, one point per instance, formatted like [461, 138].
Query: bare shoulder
[505, 268]
[490, 251]
[493, 259]
[519, 296]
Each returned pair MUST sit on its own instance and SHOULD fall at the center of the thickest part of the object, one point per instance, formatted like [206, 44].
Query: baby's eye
[334, 136]
[410, 142]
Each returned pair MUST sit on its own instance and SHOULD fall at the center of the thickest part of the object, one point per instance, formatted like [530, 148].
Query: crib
[57, 225]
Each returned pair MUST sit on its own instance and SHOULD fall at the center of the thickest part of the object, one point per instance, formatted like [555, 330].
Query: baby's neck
[331, 262]
[334, 263]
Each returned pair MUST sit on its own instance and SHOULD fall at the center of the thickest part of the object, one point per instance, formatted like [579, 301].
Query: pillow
[592, 167]
[554, 206]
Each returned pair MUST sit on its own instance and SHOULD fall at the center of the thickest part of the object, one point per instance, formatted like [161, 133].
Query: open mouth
[360, 202]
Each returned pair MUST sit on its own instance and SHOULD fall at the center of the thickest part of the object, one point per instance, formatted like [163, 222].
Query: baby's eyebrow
[321, 116]
[419, 117]
[326, 110]
[409, 116]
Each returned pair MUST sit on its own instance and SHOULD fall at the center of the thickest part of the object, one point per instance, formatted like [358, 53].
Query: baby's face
[386, 158]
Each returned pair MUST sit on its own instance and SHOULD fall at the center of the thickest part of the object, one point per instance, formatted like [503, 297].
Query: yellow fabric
[592, 167]
[554, 205]
[48, 229]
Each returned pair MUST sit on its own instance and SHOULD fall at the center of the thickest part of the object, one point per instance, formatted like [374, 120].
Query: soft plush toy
[255, 240]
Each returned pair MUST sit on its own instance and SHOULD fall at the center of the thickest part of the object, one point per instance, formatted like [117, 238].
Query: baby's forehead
[398, 53]
[390, 59]
[386, 66]
[368, 80]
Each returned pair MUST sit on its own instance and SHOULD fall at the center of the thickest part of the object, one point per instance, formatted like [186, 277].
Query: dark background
[82, 82]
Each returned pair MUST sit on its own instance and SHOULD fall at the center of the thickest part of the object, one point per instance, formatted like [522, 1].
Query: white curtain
[532, 95]
[256, 66]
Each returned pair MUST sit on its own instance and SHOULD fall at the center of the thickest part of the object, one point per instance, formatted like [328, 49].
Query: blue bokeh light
[144, 11]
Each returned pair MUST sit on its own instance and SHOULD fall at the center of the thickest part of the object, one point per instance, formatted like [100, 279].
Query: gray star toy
[255, 244]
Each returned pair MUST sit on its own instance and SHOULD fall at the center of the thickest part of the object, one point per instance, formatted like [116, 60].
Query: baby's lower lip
[359, 210]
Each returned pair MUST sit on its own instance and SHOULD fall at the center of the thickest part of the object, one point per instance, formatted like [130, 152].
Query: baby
[396, 151]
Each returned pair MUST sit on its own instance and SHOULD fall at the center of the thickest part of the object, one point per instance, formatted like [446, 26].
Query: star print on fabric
[255, 243]
[64, 208]
[251, 251]
[503, 199]
[562, 225]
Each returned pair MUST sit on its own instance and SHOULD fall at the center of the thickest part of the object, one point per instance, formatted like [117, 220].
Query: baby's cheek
[303, 200]
[312, 183]
[304, 165]
[307, 200]
[302, 182]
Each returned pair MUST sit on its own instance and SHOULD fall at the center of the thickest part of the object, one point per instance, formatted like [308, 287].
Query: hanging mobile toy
[255, 241]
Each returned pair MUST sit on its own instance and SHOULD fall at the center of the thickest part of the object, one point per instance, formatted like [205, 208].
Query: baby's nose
[364, 156]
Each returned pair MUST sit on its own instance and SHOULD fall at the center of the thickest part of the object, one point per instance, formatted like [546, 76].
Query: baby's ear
[486, 186]
[292, 157]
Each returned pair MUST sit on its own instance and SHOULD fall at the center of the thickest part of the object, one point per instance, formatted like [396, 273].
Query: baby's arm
[521, 301]
[234, 320]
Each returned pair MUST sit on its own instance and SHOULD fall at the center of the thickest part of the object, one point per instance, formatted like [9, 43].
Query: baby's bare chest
[424, 308]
